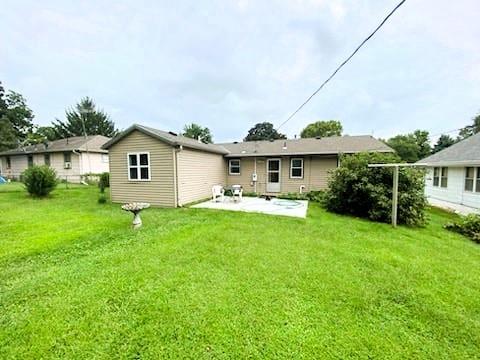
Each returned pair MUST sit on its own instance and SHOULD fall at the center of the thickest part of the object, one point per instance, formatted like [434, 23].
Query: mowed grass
[77, 282]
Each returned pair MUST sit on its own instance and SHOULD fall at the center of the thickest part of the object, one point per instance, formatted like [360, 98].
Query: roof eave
[306, 153]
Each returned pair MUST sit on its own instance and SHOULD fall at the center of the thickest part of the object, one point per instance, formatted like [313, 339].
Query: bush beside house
[467, 225]
[39, 180]
[358, 190]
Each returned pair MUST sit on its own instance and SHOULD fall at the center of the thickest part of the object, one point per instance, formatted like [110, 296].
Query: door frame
[279, 176]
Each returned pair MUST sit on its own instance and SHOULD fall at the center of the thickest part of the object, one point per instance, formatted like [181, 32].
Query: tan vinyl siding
[198, 171]
[159, 191]
[315, 173]
[247, 166]
[20, 163]
[320, 168]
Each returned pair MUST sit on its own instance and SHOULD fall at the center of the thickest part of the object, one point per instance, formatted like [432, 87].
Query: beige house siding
[160, 190]
[197, 172]
[95, 163]
[315, 173]
[19, 163]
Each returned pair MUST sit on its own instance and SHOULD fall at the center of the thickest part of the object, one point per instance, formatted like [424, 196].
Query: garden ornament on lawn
[135, 209]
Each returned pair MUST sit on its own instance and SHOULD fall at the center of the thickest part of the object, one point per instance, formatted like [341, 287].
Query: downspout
[256, 176]
[76, 152]
[175, 177]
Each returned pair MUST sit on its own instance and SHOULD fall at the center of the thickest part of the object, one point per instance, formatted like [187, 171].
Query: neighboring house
[453, 174]
[165, 169]
[70, 158]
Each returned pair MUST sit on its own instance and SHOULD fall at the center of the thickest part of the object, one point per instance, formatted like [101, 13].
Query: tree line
[17, 128]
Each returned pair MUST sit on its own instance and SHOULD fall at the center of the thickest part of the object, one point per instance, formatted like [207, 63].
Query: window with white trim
[469, 177]
[139, 166]
[477, 181]
[436, 176]
[444, 177]
[234, 166]
[296, 168]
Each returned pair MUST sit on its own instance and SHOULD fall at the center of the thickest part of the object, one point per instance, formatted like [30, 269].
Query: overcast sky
[230, 64]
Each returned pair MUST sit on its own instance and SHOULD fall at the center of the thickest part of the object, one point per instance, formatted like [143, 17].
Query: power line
[343, 63]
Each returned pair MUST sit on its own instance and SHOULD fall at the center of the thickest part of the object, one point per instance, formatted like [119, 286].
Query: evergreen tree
[84, 118]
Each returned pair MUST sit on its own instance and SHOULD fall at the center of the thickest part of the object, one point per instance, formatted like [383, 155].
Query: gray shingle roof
[327, 145]
[169, 138]
[80, 143]
[463, 152]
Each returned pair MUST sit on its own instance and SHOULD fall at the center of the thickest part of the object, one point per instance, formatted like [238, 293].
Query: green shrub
[293, 196]
[317, 196]
[358, 190]
[250, 194]
[104, 181]
[39, 180]
[102, 199]
[467, 225]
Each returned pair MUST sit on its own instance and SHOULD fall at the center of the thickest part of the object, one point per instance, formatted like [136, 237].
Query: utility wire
[343, 63]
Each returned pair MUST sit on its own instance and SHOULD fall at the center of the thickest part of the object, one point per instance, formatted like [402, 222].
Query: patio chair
[237, 192]
[218, 192]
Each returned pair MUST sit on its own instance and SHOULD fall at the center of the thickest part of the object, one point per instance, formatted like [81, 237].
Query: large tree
[16, 119]
[411, 147]
[470, 130]
[443, 142]
[84, 118]
[195, 131]
[8, 138]
[263, 131]
[322, 129]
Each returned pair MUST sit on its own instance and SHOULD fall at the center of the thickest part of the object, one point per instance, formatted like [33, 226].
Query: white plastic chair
[237, 192]
[218, 192]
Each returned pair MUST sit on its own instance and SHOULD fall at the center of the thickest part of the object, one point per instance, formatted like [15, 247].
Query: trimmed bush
[467, 225]
[358, 190]
[104, 181]
[39, 180]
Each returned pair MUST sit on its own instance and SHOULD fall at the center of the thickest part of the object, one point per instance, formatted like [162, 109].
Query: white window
[477, 181]
[105, 158]
[234, 166]
[469, 176]
[444, 177]
[436, 176]
[139, 166]
[296, 168]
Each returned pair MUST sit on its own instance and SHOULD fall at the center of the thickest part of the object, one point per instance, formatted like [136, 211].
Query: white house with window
[453, 176]
[72, 158]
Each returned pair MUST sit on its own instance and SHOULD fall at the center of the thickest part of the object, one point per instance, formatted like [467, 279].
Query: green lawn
[77, 282]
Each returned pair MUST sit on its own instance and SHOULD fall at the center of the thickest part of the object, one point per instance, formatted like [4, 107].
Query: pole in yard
[395, 196]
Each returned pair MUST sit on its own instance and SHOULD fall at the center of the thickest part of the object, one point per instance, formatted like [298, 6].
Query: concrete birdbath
[135, 209]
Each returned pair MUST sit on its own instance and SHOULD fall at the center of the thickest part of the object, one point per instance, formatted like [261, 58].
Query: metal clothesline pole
[395, 185]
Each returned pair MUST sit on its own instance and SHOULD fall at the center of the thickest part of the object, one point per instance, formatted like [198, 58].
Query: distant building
[453, 176]
[70, 158]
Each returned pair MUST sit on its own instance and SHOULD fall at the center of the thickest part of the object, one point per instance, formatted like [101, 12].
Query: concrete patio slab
[295, 208]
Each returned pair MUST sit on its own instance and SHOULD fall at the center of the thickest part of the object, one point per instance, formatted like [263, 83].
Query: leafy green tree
[8, 138]
[423, 141]
[470, 130]
[16, 119]
[195, 131]
[411, 147]
[443, 142]
[40, 134]
[322, 129]
[263, 131]
[358, 190]
[83, 118]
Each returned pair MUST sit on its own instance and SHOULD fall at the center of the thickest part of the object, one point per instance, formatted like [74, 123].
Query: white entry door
[273, 175]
